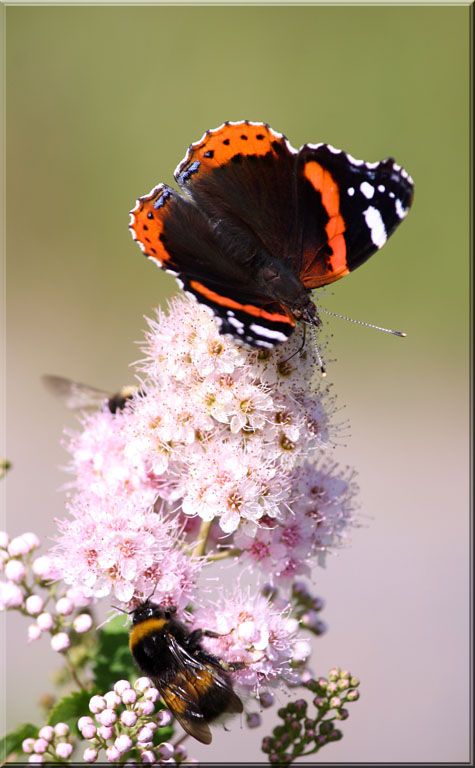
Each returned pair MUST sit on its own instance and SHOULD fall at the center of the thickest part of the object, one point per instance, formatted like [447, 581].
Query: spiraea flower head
[218, 433]
[112, 546]
[255, 631]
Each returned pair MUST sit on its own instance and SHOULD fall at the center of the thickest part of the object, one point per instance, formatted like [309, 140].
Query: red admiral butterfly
[261, 224]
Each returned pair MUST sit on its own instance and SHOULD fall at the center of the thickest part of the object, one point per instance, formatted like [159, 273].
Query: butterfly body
[261, 224]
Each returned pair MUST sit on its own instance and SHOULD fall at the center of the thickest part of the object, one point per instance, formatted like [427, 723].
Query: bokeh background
[102, 103]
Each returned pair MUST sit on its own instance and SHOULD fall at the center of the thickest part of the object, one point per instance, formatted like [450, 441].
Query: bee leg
[195, 636]
[232, 666]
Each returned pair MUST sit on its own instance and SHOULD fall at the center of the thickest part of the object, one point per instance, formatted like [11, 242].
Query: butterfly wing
[178, 236]
[347, 209]
[242, 175]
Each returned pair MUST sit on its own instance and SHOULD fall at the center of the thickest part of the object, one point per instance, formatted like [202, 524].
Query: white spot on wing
[381, 188]
[235, 323]
[268, 333]
[376, 226]
[400, 210]
[367, 189]
[351, 191]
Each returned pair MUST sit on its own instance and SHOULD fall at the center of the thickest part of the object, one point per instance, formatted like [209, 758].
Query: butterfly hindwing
[347, 210]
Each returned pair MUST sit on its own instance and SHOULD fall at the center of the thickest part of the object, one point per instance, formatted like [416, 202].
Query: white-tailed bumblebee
[193, 684]
[81, 396]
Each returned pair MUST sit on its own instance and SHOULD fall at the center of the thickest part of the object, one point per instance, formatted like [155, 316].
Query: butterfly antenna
[361, 322]
[317, 351]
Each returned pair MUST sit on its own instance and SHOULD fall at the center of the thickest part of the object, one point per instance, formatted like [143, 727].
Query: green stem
[203, 534]
[223, 555]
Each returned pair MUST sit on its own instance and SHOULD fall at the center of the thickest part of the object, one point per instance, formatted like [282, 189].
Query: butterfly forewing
[242, 175]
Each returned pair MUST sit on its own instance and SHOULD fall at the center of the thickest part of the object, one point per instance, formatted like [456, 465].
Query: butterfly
[259, 224]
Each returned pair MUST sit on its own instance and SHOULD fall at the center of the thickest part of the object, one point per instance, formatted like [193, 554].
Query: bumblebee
[81, 396]
[193, 684]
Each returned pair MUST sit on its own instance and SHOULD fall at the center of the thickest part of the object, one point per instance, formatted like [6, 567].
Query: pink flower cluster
[217, 432]
[52, 744]
[27, 588]
[260, 632]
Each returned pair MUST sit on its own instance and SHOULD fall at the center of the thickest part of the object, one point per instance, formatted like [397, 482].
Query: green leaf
[70, 708]
[11, 743]
[113, 659]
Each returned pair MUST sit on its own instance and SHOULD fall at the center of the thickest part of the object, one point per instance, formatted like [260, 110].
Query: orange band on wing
[323, 182]
[250, 309]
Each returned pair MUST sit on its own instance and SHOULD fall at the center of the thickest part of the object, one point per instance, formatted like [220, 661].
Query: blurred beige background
[102, 103]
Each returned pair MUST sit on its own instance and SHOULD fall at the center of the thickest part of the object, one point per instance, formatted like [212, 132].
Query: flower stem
[224, 554]
[73, 673]
[200, 546]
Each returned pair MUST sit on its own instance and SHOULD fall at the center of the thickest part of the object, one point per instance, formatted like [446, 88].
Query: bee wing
[74, 394]
[190, 720]
[182, 695]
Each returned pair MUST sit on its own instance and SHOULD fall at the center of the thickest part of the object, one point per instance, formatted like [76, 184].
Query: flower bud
[165, 750]
[44, 568]
[18, 546]
[27, 745]
[123, 743]
[82, 623]
[146, 707]
[34, 633]
[266, 699]
[47, 732]
[112, 754]
[89, 730]
[15, 571]
[142, 684]
[253, 720]
[32, 540]
[107, 717]
[11, 596]
[85, 720]
[152, 694]
[64, 750]
[106, 732]
[64, 606]
[352, 695]
[180, 753]
[61, 729]
[120, 686]
[45, 621]
[128, 718]
[34, 605]
[4, 539]
[145, 734]
[97, 704]
[129, 696]
[147, 756]
[90, 755]
[164, 718]
[112, 699]
[60, 642]
[40, 746]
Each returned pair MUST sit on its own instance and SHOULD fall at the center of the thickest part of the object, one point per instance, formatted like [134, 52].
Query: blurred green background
[102, 103]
